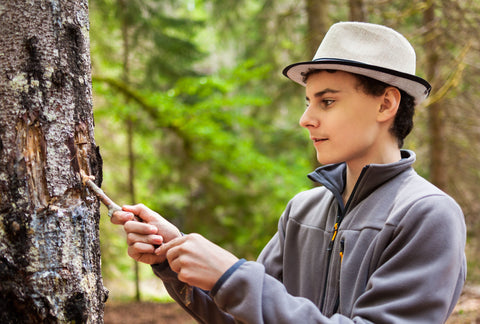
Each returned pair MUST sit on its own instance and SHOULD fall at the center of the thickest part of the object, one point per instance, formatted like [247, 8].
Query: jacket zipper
[342, 249]
[338, 221]
[329, 255]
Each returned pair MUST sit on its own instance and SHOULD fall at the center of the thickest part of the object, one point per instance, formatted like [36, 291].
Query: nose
[308, 119]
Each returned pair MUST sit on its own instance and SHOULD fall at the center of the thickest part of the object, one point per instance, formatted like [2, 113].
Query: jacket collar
[333, 177]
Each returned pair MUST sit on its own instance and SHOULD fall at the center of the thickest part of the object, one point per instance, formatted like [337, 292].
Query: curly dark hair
[403, 123]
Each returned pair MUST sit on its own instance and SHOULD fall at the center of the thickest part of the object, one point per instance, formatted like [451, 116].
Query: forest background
[194, 119]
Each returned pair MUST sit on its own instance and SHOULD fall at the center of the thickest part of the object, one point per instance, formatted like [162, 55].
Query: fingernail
[157, 240]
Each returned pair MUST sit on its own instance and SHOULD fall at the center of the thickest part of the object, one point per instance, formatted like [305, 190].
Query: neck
[351, 180]
[355, 169]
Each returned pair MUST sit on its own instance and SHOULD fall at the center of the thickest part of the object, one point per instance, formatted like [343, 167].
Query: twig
[87, 181]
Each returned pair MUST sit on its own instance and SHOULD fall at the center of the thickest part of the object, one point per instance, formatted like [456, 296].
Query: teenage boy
[375, 244]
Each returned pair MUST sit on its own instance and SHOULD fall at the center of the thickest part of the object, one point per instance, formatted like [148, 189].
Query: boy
[375, 244]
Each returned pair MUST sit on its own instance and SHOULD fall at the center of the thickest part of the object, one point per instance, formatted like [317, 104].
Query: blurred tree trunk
[357, 10]
[436, 114]
[317, 11]
[129, 124]
[49, 240]
[318, 24]
[131, 189]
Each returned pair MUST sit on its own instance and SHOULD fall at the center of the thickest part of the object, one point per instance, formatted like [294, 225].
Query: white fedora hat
[372, 50]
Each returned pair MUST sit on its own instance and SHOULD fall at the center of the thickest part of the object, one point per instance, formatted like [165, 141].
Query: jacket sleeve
[254, 293]
[418, 279]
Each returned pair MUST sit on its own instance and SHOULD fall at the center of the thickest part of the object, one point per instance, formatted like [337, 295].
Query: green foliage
[144, 39]
[217, 145]
[214, 153]
[212, 168]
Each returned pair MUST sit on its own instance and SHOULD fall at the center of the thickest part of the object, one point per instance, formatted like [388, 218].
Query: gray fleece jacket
[393, 254]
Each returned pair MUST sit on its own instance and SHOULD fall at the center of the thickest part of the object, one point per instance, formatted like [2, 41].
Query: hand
[142, 237]
[197, 261]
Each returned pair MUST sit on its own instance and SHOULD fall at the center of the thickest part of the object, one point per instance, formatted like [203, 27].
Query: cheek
[363, 116]
[359, 130]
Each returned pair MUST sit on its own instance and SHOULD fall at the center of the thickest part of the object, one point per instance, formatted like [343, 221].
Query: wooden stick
[109, 203]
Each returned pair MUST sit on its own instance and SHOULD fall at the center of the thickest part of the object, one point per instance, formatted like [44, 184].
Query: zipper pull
[342, 248]
[335, 231]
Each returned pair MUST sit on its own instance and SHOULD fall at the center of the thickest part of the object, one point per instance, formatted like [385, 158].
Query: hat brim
[411, 84]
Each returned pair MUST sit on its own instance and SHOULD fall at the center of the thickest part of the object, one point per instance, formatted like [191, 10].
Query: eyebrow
[323, 92]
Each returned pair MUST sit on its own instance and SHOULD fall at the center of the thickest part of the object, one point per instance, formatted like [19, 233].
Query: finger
[133, 238]
[140, 228]
[165, 247]
[121, 217]
[140, 248]
[175, 263]
[142, 211]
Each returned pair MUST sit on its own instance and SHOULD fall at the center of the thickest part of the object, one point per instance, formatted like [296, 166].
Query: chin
[324, 159]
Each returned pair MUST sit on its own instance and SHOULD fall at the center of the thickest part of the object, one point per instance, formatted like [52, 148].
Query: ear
[389, 105]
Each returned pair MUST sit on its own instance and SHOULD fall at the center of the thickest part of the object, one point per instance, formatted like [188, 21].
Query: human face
[342, 119]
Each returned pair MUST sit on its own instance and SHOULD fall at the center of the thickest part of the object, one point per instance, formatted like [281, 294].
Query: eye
[328, 102]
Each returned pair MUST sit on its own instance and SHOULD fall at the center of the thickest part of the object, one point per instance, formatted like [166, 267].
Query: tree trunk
[49, 240]
[317, 13]
[436, 114]
[133, 199]
[129, 124]
[357, 10]
[318, 23]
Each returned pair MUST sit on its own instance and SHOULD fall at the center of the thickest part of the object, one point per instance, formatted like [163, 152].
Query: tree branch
[151, 110]
[452, 81]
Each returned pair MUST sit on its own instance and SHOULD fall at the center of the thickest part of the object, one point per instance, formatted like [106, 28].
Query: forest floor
[467, 311]
[145, 313]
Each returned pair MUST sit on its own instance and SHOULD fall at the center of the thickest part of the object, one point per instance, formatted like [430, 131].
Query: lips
[318, 139]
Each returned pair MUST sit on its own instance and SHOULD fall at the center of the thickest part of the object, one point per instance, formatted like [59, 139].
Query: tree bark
[49, 240]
